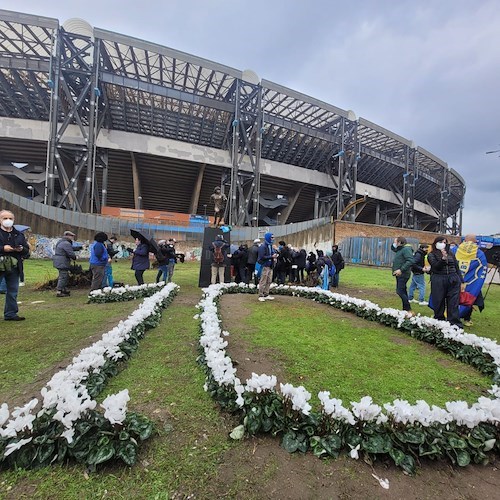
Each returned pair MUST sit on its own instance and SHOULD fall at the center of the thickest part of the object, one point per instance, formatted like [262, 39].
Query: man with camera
[13, 249]
[63, 255]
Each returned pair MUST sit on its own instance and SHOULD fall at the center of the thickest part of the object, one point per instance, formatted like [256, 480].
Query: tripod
[491, 281]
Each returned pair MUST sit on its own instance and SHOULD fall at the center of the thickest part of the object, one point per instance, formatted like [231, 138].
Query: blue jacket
[98, 254]
[140, 260]
[266, 252]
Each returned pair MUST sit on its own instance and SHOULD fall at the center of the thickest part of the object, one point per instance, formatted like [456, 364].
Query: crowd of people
[265, 262]
[457, 272]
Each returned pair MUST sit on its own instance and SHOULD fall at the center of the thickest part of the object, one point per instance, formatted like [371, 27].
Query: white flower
[354, 452]
[298, 396]
[115, 407]
[4, 414]
[10, 448]
[365, 410]
[68, 434]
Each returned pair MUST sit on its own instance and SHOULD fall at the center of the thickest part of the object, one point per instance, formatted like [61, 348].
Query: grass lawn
[322, 351]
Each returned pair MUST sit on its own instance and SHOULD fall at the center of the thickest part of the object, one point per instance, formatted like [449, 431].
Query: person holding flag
[473, 267]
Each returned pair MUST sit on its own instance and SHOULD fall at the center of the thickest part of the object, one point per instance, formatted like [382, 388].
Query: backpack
[218, 255]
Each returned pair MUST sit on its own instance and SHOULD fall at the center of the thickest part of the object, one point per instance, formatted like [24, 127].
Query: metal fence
[371, 251]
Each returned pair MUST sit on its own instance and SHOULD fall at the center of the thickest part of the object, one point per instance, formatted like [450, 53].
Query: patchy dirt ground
[260, 466]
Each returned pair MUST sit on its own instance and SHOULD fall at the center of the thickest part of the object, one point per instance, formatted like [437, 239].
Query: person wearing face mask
[13, 249]
[446, 282]
[401, 270]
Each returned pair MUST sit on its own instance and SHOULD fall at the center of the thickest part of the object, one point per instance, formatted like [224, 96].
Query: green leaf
[457, 443]
[463, 458]
[252, 424]
[411, 435]
[290, 442]
[238, 432]
[267, 424]
[128, 453]
[408, 465]
[123, 436]
[303, 446]
[332, 444]
[488, 445]
[397, 455]
[379, 443]
[45, 452]
[102, 454]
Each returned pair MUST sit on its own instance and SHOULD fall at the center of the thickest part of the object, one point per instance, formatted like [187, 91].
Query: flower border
[124, 293]
[68, 425]
[403, 431]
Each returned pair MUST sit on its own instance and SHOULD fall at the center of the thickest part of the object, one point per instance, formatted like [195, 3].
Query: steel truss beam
[246, 143]
[74, 100]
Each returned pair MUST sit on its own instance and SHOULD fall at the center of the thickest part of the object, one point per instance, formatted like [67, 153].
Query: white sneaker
[269, 297]
[413, 301]
[423, 303]
[262, 299]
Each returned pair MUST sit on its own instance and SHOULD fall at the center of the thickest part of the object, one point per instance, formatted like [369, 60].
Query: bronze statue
[218, 199]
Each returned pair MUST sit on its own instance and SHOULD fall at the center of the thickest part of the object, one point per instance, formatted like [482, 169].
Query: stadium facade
[92, 119]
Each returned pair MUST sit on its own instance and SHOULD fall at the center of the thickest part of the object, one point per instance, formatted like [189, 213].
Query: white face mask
[395, 245]
[441, 245]
[7, 223]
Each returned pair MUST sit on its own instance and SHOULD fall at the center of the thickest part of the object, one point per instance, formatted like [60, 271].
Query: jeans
[108, 276]
[12, 284]
[335, 279]
[62, 280]
[171, 267]
[401, 282]
[162, 270]
[417, 281]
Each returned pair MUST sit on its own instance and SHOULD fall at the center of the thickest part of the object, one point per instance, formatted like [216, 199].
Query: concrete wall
[44, 226]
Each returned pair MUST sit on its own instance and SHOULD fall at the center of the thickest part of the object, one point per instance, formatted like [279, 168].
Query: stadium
[97, 122]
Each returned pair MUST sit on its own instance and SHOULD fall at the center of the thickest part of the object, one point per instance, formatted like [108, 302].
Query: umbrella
[145, 238]
[493, 255]
[22, 228]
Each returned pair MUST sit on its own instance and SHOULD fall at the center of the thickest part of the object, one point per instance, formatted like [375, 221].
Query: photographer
[13, 248]
[172, 258]
[63, 255]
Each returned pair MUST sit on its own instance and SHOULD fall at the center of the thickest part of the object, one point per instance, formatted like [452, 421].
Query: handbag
[7, 263]
[466, 299]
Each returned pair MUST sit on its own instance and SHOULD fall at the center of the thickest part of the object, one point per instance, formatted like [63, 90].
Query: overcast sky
[426, 70]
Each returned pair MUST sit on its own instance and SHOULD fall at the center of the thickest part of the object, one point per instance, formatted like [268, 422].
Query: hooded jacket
[266, 251]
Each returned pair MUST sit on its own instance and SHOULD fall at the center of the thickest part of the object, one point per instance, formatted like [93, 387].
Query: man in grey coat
[63, 255]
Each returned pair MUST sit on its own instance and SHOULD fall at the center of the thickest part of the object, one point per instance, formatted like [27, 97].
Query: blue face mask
[280, 247]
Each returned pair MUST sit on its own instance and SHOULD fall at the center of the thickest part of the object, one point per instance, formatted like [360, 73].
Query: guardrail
[113, 225]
